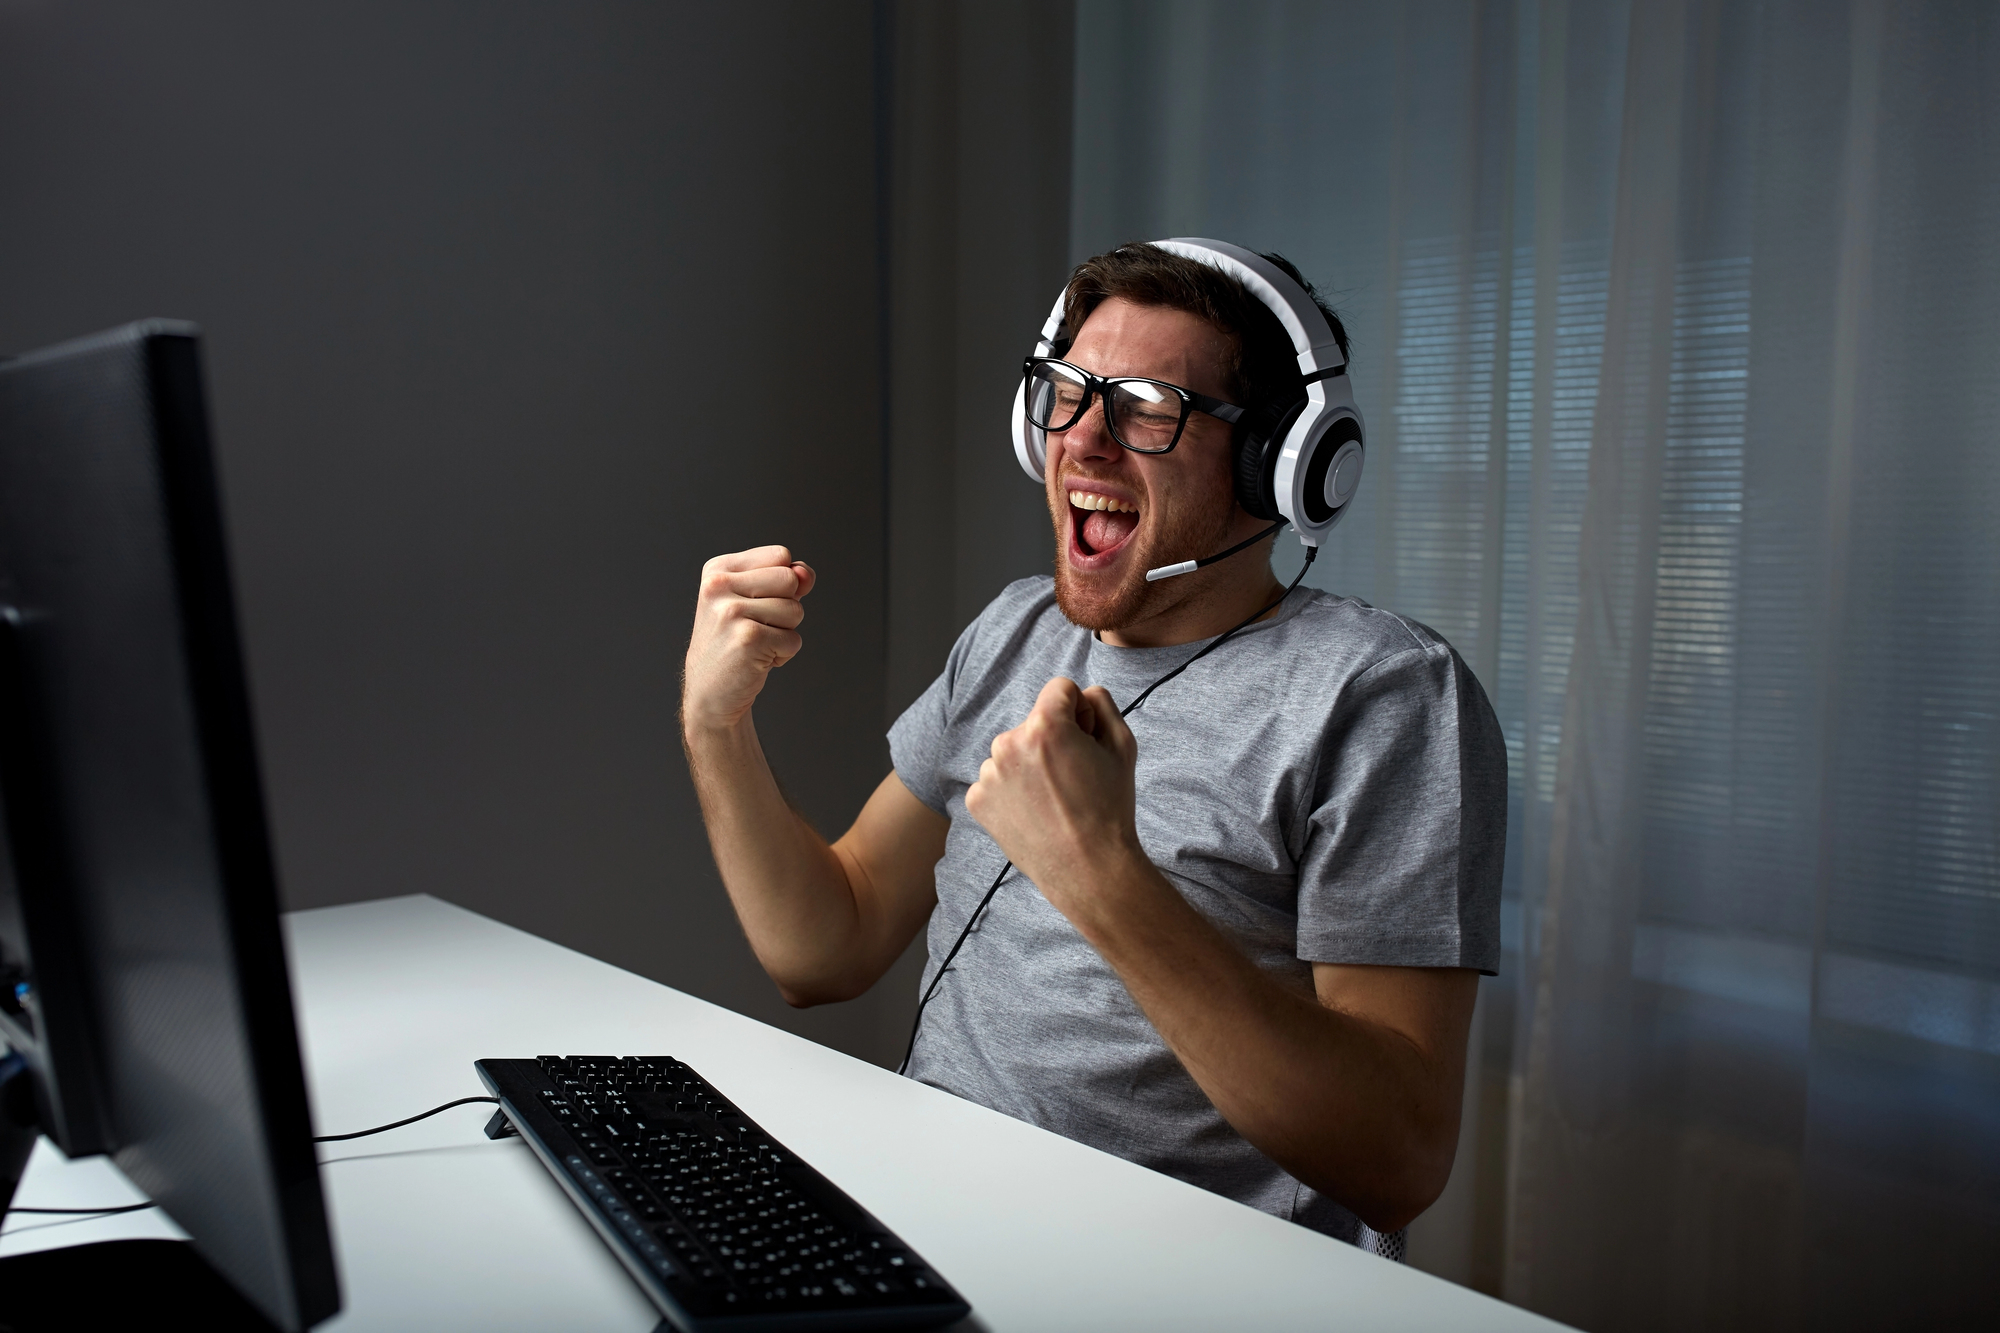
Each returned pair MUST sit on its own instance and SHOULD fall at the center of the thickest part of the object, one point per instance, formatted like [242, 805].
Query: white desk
[438, 1228]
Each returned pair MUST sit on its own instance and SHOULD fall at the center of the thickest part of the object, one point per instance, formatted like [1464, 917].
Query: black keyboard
[719, 1223]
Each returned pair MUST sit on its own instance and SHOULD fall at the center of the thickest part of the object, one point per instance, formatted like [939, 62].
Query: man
[1244, 937]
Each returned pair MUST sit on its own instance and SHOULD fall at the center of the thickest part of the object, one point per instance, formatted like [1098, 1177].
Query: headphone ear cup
[1030, 445]
[1333, 471]
[1260, 438]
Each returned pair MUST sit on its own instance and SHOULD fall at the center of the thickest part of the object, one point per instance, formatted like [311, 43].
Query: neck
[1210, 602]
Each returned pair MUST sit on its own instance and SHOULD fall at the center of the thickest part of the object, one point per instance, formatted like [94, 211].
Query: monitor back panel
[111, 546]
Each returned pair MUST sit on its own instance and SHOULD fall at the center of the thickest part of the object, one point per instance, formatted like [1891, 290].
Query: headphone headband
[1312, 337]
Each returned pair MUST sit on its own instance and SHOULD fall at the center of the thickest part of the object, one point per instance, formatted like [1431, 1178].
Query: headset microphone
[1190, 566]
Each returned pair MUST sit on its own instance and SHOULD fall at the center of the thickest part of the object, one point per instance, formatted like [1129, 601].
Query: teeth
[1092, 500]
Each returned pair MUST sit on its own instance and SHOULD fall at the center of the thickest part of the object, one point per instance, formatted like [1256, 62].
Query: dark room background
[1674, 324]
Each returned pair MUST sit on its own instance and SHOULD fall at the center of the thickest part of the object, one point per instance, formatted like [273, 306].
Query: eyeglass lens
[1144, 416]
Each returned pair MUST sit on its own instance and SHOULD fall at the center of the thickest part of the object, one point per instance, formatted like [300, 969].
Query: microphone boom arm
[1190, 566]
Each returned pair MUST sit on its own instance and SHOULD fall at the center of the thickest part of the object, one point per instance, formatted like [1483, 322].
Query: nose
[1090, 437]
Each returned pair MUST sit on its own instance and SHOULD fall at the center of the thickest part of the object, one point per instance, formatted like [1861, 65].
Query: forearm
[791, 891]
[1352, 1108]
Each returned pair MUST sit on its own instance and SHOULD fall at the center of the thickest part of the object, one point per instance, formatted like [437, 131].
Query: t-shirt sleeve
[1406, 842]
[918, 739]
[921, 744]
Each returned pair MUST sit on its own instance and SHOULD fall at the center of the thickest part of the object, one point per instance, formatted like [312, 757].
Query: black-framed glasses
[1146, 416]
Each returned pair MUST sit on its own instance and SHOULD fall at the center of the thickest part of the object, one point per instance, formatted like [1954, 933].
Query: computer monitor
[146, 997]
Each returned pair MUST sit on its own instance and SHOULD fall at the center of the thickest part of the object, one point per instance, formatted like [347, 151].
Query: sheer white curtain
[1678, 330]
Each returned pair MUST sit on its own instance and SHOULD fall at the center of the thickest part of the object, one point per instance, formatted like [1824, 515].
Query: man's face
[1118, 513]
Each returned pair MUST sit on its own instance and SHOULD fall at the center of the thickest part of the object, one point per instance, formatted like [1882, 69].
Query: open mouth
[1099, 524]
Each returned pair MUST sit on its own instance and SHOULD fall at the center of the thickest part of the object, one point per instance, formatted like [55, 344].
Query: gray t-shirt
[1328, 786]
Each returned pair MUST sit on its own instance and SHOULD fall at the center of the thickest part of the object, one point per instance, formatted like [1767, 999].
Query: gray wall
[980, 224]
[514, 315]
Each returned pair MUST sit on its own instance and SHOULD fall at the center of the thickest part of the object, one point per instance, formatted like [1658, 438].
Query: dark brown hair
[1262, 363]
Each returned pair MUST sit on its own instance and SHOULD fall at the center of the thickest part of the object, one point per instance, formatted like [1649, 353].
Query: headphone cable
[917, 1024]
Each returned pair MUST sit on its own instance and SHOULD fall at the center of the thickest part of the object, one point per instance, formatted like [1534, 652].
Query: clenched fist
[1057, 793]
[746, 624]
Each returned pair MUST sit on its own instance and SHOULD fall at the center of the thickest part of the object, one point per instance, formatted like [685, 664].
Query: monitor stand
[110, 1284]
[118, 1284]
[19, 1125]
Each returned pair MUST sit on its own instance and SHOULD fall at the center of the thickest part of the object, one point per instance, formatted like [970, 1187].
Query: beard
[1173, 527]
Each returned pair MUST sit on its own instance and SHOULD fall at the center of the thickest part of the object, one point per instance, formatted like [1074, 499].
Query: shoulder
[1345, 639]
[1398, 675]
[1022, 608]
[1023, 599]
[1361, 666]
[1023, 613]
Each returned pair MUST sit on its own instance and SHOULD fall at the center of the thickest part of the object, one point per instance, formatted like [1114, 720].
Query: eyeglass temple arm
[1215, 407]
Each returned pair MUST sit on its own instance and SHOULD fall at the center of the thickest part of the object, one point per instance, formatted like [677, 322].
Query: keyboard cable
[321, 1138]
[398, 1124]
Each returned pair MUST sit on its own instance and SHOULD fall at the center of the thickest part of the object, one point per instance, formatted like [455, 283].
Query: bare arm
[1356, 1091]
[825, 920]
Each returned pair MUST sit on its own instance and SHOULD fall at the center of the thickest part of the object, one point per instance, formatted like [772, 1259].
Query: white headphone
[1297, 459]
